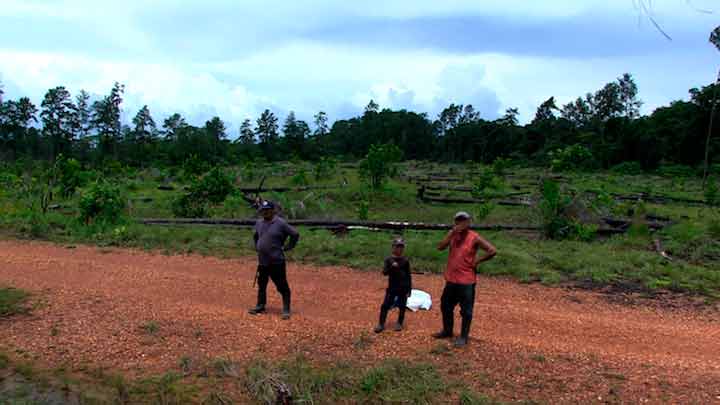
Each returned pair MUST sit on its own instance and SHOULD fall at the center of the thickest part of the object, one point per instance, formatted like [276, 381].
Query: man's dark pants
[390, 297]
[278, 274]
[454, 294]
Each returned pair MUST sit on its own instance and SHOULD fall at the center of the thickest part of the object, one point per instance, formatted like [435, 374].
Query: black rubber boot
[464, 333]
[398, 327]
[260, 309]
[379, 328]
[286, 307]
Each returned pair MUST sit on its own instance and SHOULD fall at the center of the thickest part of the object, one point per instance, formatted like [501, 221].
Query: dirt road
[528, 341]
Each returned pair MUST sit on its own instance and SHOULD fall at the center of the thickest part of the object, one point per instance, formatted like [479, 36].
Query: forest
[599, 130]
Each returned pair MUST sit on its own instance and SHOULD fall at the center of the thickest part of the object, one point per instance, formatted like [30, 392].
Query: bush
[575, 157]
[551, 208]
[300, 178]
[324, 168]
[501, 165]
[676, 171]
[363, 210]
[193, 166]
[101, 201]
[212, 188]
[483, 182]
[70, 176]
[712, 197]
[627, 168]
[379, 164]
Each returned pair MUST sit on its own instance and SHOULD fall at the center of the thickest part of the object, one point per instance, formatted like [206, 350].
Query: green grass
[391, 381]
[627, 260]
[12, 301]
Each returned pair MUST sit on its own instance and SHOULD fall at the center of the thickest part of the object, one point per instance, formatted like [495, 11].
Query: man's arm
[409, 277]
[256, 237]
[486, 246]
[446, 241]
[294, 237]
[386, 267]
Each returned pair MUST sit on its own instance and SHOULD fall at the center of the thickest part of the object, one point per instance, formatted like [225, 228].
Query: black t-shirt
[397, 268]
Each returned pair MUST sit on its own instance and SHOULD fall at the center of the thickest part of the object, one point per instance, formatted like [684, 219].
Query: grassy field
[627, 260]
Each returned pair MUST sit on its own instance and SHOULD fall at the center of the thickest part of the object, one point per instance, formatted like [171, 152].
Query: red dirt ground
[528, 341]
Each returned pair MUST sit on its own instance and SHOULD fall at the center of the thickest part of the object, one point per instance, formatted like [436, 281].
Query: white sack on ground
[419, 300]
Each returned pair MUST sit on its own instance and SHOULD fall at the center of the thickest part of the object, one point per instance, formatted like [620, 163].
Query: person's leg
[447, 307]
[402, 301]
[467, 302]
[279, 278]
[384, 308]
[263, 277]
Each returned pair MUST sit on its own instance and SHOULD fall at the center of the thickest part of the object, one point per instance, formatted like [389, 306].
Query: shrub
[712, 197]
[70, 176]
[483, 211]
[501, 165]
[570, 158]
[324, 168]
[379, 164]
[484, 181]
[363, 210]
[551, 208]
[676, 171]
[627, 168]
[300, 178]
[193, 166]
[101, 201]
[212, 188]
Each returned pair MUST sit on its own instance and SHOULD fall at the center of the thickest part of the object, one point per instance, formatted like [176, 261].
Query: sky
[235, 58]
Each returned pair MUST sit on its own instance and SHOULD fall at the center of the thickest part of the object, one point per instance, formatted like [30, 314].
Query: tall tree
[59, 117]
[144, 127]
[372, 107]
[172, 124]
[321, 124]
[546, 111]
[715, 40]
[267, 128]
[296, 131]
[629, 96]
[84, 114]
[106, 120]
[469, 115]
[16, 117]
[215, 130]
[247, 136]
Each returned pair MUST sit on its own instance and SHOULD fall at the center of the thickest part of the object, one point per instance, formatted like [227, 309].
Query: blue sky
[236, 58]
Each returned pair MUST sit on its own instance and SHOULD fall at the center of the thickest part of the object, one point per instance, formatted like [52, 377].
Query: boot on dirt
[398, 327]
[286, 308]
[260, 309]
[379, 328]
[442, 335]
[461, 341]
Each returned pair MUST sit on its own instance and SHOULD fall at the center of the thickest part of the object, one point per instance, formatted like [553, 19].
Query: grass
[12, 301]
[626, 260]
[151, 328]
[392, 381]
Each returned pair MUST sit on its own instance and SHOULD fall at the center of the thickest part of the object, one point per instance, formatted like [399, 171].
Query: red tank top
[461, 260]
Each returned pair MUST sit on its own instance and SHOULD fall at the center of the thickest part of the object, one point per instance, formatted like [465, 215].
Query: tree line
[606, 124]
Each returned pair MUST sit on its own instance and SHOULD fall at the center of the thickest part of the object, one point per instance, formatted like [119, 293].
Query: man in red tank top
[460, 275]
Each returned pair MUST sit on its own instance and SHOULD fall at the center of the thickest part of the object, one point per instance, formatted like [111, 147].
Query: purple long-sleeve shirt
[270, 237]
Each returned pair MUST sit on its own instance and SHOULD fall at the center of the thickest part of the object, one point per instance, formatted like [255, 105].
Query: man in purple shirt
[271, 232]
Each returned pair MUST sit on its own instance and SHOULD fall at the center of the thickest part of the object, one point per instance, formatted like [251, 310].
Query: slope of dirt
[528, 341]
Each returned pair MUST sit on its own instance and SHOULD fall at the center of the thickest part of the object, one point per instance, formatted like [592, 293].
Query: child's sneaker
[379, 328]
[398, 327]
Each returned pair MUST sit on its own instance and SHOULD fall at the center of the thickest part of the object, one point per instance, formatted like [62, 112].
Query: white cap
[462, 215]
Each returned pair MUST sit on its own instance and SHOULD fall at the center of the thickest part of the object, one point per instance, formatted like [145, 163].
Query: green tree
[379, 164]
[172, 125]
[60, 122]
[247, 136]
[321, 124]
[106, 120]
[267, 132]
[296, 133]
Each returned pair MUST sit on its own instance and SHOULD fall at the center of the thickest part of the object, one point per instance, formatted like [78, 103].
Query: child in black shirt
[397, 268]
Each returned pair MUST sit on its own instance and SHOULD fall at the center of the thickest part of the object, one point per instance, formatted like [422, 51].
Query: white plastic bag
[419, 300]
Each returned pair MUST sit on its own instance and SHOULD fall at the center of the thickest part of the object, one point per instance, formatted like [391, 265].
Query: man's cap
[398, 242]
[267, 205]
[462, 215]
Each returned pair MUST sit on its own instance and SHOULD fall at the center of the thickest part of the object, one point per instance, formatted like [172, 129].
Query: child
[397, 268]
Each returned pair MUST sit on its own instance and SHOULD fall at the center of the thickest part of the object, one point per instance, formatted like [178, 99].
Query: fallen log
[449, 200]
[349, 225]
[286, 189]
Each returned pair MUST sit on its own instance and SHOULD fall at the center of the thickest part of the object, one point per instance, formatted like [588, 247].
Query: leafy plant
[300, 178]
[627, 168]
[379, 164]
[363, 210]
[324, 168]
[485, 181]
[571, 158]
[483, 211]
[551, 208]
[101, 200]
[501, 165]
[712, 196]
[69, 176]
[212, 188]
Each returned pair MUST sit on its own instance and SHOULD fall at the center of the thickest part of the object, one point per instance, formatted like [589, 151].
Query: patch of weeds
[539, 358]
[12, 301]
[185, 364]
[54, 331]
[167, 389]
[225, 368]
[441, 349]
[471, 398]
[151, 328]
[4, 361]
[363, 341]
[397, 381]
[217, 398]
